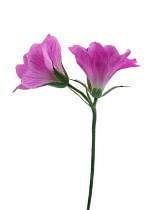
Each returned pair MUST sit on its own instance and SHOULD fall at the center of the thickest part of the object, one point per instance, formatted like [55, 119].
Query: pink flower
[38, 64]
[101, 63]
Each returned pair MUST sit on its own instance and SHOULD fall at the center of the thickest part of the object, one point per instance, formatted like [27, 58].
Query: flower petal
[22, 68]
[33, 79]
[126, 54]
[121, 62]
[112, 56]
[99, 63]
[38, 73]
[52, 52]
[127, 63]
[74, 48]
[20, 87]
[36, 58]
[83, 60]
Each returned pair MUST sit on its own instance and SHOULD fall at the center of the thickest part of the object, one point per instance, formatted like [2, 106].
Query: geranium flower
[40, 64]
[100, 64]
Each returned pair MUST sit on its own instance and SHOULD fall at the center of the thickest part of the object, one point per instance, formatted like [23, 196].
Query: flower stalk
[87, 100]
[94, 113]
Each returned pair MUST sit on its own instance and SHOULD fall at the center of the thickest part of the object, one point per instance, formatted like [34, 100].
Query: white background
[45, 133]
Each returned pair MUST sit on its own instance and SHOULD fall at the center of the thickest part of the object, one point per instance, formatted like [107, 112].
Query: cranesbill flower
[40, 64]
[100, 64]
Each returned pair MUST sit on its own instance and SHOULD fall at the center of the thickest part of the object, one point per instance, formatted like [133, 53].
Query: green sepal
[78, 81]
[89, 85]
[96, 92]
[65, 72]
[113, 89]
[61, 77]
[86, 88]
[55, 84]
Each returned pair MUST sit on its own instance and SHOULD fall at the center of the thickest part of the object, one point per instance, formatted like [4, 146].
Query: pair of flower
[43, 65]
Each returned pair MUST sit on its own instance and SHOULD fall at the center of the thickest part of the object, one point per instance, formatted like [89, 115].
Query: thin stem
[78, 95]
[94, 112]
[78, 91]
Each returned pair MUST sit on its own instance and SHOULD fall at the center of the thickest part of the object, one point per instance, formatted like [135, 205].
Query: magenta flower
[101, 63]
[39, 64]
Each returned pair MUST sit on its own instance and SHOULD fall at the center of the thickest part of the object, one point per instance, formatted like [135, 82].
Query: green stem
[78, 91]
[94, 112]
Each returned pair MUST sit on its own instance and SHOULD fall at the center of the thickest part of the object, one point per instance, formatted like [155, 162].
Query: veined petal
[112, 56]
[74, 48]
[99, 62]
[38, 73]
[52, 52]
[83, 60]
[36, 60]
[127, 63]
[34, 79]
[20, 87]
[126, 54]
[121, 62]
[22, 68]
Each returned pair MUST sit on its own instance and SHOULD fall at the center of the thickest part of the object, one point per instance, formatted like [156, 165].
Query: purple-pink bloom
[38, 64]
[101, 63]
